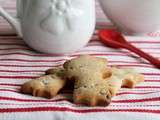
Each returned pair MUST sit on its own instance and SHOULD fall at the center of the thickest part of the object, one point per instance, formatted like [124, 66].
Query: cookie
[94, 83]
[46, 86]
[130, 77]
[91, 80]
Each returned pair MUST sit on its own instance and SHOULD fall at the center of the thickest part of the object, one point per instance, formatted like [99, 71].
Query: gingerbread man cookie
[91, 85]
[46, 86]
[130, 77]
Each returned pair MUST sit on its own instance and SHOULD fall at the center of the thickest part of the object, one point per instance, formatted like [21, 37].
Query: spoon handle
[148, 57]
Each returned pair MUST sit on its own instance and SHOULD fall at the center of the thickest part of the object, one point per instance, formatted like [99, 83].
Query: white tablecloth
[19, 63]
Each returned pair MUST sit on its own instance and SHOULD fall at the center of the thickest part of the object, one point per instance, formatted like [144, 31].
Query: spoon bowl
[112, 38]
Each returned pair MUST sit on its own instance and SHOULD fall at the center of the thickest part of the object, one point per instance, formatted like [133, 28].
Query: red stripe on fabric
[9, 90]
[53, 55]
[131, 62]
[35, 55]
[8, 84]
[152, 81]
[114, 101]
[18, 91]
[30, 65]
[62, 60]
[81, 52]
[111, 52]
[30, 100]
[158, 80]
[42, 71]
[119, 65]
[103, 45]
[136, 93]
[106, 49]
[131, 41]
[37, 76]
[65, 109]
[76, 55]
[124, 65]
[152, 74]
[46, 104]
[17, 71]
[137, 100]
[133, 65]
[19, 77]
[69, 92]
[59, 60]
[23, 60]
[147, 87]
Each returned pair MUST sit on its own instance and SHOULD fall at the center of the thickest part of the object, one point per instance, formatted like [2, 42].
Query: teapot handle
[13, 21]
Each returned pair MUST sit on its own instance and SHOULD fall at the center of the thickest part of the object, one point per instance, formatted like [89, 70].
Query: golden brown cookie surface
[46, 86]
[130, 77]
[90, 75]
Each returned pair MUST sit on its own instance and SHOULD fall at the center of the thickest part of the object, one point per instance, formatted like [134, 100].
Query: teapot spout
[14, 22]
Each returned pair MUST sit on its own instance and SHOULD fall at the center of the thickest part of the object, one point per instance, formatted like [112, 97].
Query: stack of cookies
[94, 82]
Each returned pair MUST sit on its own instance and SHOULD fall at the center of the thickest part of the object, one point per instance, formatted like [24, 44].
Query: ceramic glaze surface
[56, 26]
[64, 15]
[133, 16]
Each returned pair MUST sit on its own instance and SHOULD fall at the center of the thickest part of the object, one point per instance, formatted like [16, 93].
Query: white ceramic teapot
[54, 26]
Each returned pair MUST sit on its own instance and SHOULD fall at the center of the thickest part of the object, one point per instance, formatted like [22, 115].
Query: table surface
[19, 63]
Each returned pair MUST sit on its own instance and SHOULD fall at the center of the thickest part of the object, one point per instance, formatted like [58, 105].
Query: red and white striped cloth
[19, 63]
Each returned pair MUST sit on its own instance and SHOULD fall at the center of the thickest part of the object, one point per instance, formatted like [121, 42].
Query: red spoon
[115, 39]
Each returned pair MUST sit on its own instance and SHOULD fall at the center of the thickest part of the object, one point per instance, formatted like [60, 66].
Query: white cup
[54, 26]
[134, 17]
